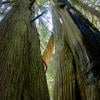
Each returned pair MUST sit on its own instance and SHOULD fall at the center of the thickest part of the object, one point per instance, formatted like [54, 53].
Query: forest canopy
[49, 49]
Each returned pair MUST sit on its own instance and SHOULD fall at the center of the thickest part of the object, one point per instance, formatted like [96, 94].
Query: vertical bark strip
[22, 75]
[49, 49]
[65, 79]
[72, 62]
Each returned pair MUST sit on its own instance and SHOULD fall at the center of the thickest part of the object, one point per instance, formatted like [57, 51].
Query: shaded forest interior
[49, 50]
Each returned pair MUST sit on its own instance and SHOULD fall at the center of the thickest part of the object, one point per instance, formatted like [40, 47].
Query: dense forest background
[49, 51]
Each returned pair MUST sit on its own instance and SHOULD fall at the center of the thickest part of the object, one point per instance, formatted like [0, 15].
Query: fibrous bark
[72, 62]
[22, 75]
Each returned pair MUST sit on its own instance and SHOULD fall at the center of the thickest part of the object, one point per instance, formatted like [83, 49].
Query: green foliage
[90, 9]
[44, 36]
[41, 1]
[75, 1]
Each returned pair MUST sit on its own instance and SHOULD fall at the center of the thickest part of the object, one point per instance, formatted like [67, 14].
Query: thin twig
[38, 16]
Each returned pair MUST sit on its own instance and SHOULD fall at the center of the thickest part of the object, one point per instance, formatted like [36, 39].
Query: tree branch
[38, 16]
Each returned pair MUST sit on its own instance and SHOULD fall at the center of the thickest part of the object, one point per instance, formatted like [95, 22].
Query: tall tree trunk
[22, 75]
[72, 62]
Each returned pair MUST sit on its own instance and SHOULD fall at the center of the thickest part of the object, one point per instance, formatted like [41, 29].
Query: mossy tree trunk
[22, 75]
[72, 62]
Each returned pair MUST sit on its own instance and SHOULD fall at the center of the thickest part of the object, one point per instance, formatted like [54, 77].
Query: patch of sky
[46, 18]
[4, 9]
